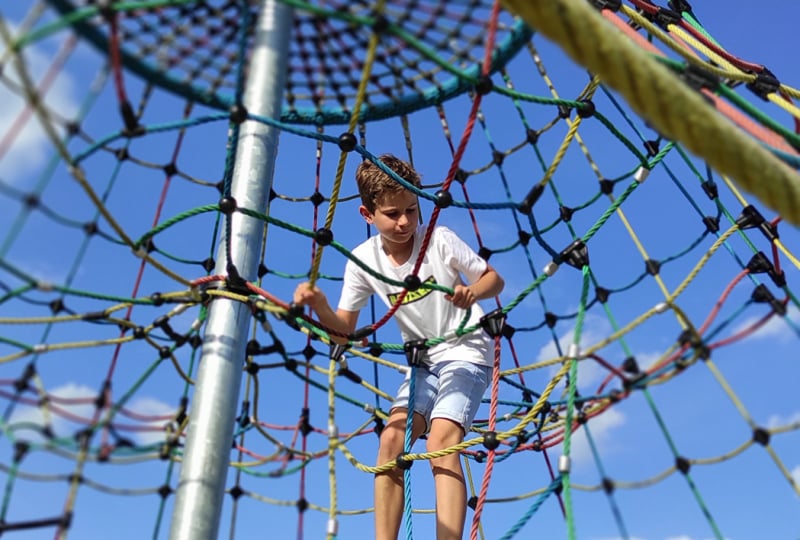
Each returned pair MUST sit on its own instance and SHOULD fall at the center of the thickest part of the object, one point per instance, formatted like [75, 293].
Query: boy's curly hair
[374, 184]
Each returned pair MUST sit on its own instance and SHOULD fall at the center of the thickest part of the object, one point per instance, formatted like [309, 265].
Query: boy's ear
[366, 214]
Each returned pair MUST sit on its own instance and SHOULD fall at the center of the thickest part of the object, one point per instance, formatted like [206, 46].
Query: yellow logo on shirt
[413, 296]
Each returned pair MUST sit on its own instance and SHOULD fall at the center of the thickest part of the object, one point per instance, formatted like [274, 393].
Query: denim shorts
[451, 390]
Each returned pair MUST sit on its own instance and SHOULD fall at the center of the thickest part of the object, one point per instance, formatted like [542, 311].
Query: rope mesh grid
[643, 288]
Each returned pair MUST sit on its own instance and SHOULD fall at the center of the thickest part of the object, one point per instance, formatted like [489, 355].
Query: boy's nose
[402, 220]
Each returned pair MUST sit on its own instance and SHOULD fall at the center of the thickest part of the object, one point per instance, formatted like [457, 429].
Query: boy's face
[396, 217]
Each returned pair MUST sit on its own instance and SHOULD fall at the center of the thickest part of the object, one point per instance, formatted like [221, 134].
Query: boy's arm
[488, 285]
[341, 321]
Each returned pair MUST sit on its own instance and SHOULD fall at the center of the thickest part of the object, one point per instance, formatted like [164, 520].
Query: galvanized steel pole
[201, 486]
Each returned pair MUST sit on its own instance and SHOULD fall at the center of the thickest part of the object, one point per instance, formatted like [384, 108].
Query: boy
[453, 375]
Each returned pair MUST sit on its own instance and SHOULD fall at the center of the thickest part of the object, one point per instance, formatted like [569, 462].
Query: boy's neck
[398, 254]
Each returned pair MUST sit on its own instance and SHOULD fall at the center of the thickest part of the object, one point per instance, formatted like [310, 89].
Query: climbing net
[645, 340]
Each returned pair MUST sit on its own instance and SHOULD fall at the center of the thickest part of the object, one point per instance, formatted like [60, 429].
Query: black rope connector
[602, 294]
[550, 319]
[170, 169]
[309, 352]
[762, 295]
[710, 188]
[484, 253]
[227, 205]
[652, 266]
[566, 213]
[508, 331]
[681, 6]
[682, 464]
[90, 228]
[235, 281]
[532, 136]
[765, 84]
[305, 424]
[412, 282]
[526, 206]
[236, 492]
[337, 351]
[480, 456]
[443, 198]
[651, 147]
[415, 351]
[524, 237]
[494, 322]
[302, 505]
[608, 485]
[711, 223]
[164, 491]
[606, 186]
[132, 126]
[238, 113]
[586, 109]
[21, 449]
[612, 5]
[760, 264]
[576, 254]
[347, 142]
[473, 502]
[490, 440]
[630, 365]
[698, 78]
[761, 436]
[380, 24]
[484, 85]
[317, 198]
[323, 236]
[749, 218]
[403, 464]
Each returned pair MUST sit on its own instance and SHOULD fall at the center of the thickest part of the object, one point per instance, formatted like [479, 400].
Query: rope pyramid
[641, 278]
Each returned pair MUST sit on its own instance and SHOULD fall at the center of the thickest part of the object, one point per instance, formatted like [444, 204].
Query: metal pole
[201, 486]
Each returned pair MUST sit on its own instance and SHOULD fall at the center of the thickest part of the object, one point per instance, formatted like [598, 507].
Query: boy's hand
[462, 296]
[307, 295]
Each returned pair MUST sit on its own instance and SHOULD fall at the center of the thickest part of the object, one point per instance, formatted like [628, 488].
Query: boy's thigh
[461, 388]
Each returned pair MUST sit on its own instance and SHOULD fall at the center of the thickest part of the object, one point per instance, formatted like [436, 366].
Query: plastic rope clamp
[337, 350]
[415, 351]
[494, 322]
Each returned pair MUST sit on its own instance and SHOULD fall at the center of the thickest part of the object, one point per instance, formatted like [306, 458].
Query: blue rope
[412, 383]
[532, 510]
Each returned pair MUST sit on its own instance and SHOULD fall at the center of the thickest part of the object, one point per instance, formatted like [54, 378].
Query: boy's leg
[461, 387]
[448, 476]
[389, 489]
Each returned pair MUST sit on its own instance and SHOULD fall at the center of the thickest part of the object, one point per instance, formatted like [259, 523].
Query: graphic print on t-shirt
[413, 296]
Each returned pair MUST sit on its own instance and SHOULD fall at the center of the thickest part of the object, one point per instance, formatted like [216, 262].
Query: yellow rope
[653, 91]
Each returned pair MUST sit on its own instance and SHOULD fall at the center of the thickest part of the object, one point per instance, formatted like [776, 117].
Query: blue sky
[745, 492]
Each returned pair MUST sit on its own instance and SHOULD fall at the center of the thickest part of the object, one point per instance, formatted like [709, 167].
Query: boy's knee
[444, 434]
[391, 442]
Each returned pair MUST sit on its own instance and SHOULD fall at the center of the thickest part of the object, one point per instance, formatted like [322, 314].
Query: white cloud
[589, 372]
[60, 425]
[775, 328]
[147, 406]
[84, 408]
[777, 420]
[29, 147]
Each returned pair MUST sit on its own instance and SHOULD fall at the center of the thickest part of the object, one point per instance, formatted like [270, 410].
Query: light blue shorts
[450, 390]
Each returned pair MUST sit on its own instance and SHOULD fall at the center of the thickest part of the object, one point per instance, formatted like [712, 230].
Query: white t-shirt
[424, 313]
